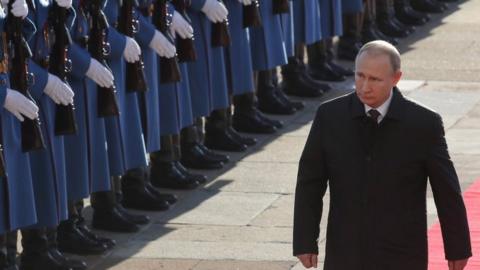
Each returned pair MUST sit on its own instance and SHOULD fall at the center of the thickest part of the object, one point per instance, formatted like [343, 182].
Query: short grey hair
[380, 47]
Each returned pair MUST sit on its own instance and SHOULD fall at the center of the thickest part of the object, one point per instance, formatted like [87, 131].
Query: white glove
[246, 2]
[181, 26]
[64, 3]
[58, 91]
[19, 8]
[162, 46]
[19, 105]
[132, 51]
[215, 11]
[100, 74]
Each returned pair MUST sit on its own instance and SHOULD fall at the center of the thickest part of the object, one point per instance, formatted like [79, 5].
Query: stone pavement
[242, 219]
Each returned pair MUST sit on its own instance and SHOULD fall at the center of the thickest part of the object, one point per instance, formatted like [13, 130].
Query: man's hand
[310, 260]
[457, 265]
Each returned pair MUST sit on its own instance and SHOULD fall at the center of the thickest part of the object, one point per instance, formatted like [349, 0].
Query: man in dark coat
[375, 149]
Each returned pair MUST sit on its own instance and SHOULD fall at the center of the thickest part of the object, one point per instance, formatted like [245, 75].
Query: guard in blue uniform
[138, 192]
[320, 54]
[219, 133]
[175, 109]
[87, 161]
[47, 165]
[125, 144]
[16, 191]
[207, 78]
[302, 27]
[356, 18]
[268, 52]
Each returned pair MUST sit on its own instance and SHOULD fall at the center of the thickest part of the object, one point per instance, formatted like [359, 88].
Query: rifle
[251, 15]
[128, 25]
[281, 6]
[21, 78]
[99, 48]
[60, 65]
[220, 34]
[186, 48]
[169, 71]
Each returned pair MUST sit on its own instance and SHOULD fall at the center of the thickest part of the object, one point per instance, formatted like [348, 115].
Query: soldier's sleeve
[80, 60]
[29, 29]
[309, 192]
[39, 81]
[117, 43]
[448, 196]
[146, 32]
[3, 87]
[197, 4]
[71, 16]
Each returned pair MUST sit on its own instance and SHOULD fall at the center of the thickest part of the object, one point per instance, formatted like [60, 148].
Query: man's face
[374, 78]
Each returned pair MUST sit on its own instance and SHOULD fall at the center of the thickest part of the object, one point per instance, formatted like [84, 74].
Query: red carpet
[435, 244]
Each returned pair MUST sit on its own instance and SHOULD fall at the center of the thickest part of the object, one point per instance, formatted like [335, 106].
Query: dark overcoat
[377, 177]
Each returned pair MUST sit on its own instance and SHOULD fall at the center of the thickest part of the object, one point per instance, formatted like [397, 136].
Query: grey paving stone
[146, 264]
[210, 233]
[263, 177]
[284, 149]
[243, 265]
[206, 250]
[218, 208]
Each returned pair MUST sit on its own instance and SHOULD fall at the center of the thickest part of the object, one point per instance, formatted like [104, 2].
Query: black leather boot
[218, 135]
[248, 141]
[137, 196]
[193, 154]
[106, 215]
[350, 43]
[246, 117]
[295, 82]
[429, 6]
[370, 27]
[268, 99]
[35, 255]
[319, 65]
[329, 51]
[164, 173]
[407, 15]
[72, 240]
[51, 234]
[82, 226]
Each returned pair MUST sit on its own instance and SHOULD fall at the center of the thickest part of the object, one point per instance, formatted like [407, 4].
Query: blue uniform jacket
[126, 147]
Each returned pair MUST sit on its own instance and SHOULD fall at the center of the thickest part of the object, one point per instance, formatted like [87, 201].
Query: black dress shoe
[220, 139]
[213, 155]
[138, 219]
[70, 239]
[170, 198]
[109, 243]
[166, 175]
[407, 15]
[112, 220]
[428, 6]
[372, 33]
[347, 49]
[141, 199]
[298, 105]
[40, 261]
[270, 102]
[390, 29]
[67, 262]
[250, 122]
[325, 72]
[200, 178]
[341, 70]
[194, 157]
[295, 83]
[249, 141]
